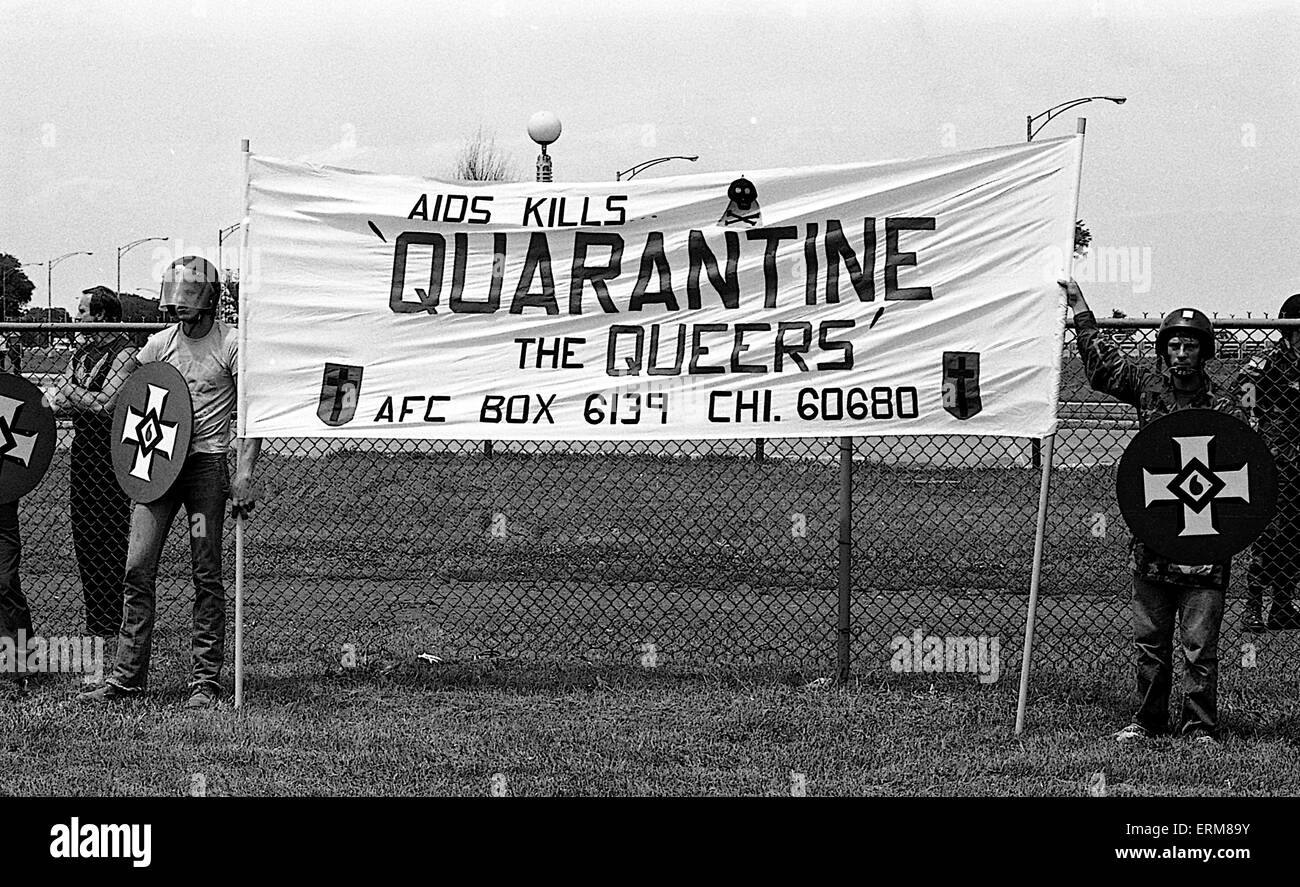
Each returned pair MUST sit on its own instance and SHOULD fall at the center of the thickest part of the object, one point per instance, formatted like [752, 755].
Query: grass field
[485, 728]
[545, 631]
[618, 620]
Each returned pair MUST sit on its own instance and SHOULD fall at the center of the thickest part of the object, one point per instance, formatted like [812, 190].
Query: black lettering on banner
[857, 404]
[421, 209]
[460, 211]
[911, 393]
[698, 350]
[773, 237]
[481, 215]
[794, 352]
[461, 305]
[653, 260]
[632, 365]
[406, 410]
[569, 342]
[810, 266]
[833, 404]
[828, 344]
[429, 300]
[562, 223]
[428, 410]
[622, 212]
[523, 400]
[458, 262]
[544, 409]
[882, 403]
[838, 250]
[739, 346]
[516, 409]
[385, 413]
[894, 259]
[532, 207]
[539, 258]
[727, 284]
[714, 397]
[595, 274]
[653, 368]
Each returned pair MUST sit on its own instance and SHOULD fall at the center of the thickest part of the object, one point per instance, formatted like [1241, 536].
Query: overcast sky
[122, 120]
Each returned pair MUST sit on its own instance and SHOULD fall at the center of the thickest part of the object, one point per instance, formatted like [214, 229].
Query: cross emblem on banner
[1196, 485]
[961, 373]
[149, 433]
[14, 445]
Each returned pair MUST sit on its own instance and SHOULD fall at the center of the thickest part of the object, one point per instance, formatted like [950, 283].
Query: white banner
[911, 297]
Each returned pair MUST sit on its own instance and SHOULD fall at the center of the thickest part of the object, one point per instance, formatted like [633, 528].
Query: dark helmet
[1290, 308]
[743, 192]
[192, 281]
[1186, 322]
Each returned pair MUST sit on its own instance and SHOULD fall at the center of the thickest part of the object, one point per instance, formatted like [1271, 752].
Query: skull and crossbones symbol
[742, 208]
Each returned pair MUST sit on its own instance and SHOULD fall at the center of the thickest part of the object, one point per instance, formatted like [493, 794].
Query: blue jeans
[101, 525]
[14, 613]
[203, 488]
[1200, 612]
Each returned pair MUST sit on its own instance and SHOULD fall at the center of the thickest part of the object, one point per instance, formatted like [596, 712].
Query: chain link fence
[682, 552]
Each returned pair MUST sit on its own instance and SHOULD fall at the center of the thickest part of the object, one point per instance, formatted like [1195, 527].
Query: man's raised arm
[1107, 369]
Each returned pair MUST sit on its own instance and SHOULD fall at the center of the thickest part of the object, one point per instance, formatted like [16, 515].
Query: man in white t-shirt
[206, 351]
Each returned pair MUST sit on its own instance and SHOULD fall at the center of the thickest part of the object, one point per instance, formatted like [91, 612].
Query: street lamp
[122, 250]
[221, 237]
[544, 129]
[4, 287]
[49, 288]
[1031, 130]
[642, 167]
[49, 279]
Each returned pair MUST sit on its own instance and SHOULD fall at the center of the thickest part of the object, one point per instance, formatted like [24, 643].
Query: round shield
[151, 431]
[27, 437]
[1197, 486]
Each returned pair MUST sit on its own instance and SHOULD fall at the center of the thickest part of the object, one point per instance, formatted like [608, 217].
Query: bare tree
[480, 160]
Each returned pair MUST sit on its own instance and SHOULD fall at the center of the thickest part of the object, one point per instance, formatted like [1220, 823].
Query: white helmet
[191, 281]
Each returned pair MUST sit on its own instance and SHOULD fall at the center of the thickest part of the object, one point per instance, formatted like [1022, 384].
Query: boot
[1282, 616]
[1253, 621]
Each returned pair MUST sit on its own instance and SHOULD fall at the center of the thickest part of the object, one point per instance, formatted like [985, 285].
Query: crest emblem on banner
[339, 390]
[1197, 486]
[27, 436]
[151, 431]
[961, 383]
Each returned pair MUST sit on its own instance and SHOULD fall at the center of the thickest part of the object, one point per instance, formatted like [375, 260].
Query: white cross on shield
[1196, 485]
[14, 444]
[149, 433]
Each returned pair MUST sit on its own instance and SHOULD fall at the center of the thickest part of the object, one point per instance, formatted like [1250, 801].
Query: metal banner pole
[1031, 610]
[241, 423]
[1044, 487]
[845, 565]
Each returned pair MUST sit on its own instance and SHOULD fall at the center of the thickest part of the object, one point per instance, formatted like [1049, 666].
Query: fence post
[845, 566]
[759, 444]
[487, 449]
[1036, 452]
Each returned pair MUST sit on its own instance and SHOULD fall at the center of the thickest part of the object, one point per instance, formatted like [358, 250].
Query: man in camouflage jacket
[1163, 591]
[1269, 386]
